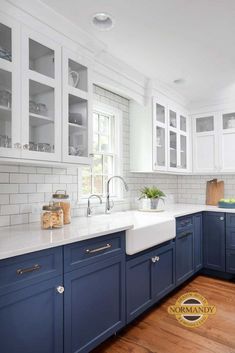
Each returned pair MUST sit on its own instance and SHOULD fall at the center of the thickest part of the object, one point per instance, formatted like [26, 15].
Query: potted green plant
[153, 194]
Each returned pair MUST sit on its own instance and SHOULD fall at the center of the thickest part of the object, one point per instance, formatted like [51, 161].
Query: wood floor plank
[158, 332]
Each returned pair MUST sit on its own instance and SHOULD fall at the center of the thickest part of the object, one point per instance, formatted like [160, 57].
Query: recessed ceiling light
[179, 81]
[103, 21]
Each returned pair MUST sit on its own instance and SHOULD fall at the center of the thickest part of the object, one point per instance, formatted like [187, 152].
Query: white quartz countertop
[22, 239]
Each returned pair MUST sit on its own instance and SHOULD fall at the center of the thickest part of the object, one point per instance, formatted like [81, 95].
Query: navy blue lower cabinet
[163, 271]
[139, 294]
[184, 248]
[94, 302]
[230, 261]
[31, 319]
[214, 241]
[197, 233]
[149, 277]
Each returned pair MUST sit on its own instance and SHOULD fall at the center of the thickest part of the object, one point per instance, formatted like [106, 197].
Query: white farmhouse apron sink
[150, 229]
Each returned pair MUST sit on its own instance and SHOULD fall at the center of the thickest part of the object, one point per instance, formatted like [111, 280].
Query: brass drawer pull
[22, 271]
[93, 251]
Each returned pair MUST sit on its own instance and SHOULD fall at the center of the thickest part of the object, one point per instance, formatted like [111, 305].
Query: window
[106, 150]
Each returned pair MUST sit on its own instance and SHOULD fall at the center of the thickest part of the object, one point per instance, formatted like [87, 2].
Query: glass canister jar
[52, 217]
[61, 199]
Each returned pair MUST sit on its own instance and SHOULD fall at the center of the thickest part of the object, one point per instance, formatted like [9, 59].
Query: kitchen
[116, 176]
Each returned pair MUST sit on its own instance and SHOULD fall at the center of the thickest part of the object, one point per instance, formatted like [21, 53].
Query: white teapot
[73, 78]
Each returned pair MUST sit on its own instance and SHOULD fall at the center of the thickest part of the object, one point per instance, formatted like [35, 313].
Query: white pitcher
[73, 78]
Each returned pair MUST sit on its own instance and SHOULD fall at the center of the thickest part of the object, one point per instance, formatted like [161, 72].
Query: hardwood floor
[158, 332]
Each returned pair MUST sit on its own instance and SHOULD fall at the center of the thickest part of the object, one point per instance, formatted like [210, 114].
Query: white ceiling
[167, 39]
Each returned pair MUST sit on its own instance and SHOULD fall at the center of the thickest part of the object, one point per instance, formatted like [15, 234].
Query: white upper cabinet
[41, 97]
[77, 108]
[227, 141]
[178, 140]
[159, 137]
[10, 127]
[160, 122]
[205, 144]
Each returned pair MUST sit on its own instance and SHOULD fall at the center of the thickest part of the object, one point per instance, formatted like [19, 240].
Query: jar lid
[60, 194]
[51, 208]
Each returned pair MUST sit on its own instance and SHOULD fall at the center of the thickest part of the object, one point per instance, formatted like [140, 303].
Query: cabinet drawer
[230, 261]
[230, 220]
[86, 252]
[24, 270]
[184, 223]
[230, 238]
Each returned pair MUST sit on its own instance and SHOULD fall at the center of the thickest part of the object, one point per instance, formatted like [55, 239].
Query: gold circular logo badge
[191, 309]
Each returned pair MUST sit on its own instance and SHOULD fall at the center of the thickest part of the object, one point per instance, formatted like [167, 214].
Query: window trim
[118, 152]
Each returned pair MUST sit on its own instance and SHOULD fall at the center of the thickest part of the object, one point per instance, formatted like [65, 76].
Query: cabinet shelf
[77, 92]
[38, 120]
[5, 113]
[82, 127]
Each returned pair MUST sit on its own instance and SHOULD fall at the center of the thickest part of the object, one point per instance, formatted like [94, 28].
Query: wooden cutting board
[214, 192]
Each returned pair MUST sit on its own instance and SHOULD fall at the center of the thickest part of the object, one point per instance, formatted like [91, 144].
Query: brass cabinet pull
[93, 251]
[22, 271]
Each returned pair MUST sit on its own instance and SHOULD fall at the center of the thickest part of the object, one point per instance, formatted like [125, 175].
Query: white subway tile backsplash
[27, 188]
[44, 188]
[9, 209]
[16, 178]
[9, 188]
[19, 219]
[18, 198]
[36, 197]
[4, 177]
[36, 178]
[4, 221]
[4, 199]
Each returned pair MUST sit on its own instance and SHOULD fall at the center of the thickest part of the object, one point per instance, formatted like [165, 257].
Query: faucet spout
[89, 210]
[108, 206]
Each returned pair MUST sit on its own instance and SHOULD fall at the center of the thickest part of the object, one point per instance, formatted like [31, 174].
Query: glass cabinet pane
[5, 109]
[41, 59]
[205, 124]
[5, 43]
[183, 151]
[41, 117]
[229, 121]
[183, 123]
[77, 116]
[173, 149]
[173, 119]
[77, 75]
[160, 145]
[160, 113]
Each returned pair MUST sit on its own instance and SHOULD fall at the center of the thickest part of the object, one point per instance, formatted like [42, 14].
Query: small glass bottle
[61, 199]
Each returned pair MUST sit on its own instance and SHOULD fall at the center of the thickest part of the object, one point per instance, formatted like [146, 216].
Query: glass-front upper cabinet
[77, 114]
[159, 134]
[41, 91]
[178, 137]
[10, 127]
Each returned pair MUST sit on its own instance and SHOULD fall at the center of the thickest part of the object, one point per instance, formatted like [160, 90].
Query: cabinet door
[230, 261]
[10, 125]
[77, 108]
[184, 256]
[214, 241]
[41, 97]
[139, 285]
[32, 319]
[163, 271]
[94, 304]
[160, 122]
[197, 224]
[227, 137]
[205, 138]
